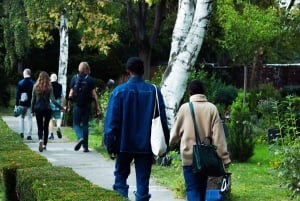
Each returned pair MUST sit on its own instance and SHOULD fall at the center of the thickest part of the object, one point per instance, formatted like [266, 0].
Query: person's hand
[112, 156]
[226, 165]
[98, 111]
[68, 108]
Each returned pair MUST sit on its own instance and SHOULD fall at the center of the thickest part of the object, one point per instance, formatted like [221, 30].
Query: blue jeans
[195, 184]
[81, 117]
[143, 164]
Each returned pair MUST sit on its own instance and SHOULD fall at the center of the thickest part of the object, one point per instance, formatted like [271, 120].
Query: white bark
[191, 25]
[63, 52]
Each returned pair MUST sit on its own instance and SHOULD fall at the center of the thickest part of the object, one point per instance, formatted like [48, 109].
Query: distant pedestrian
[82, 94]
[56, 111]
[41, 95]
[23, 98]
[127, 129]
[209, 125]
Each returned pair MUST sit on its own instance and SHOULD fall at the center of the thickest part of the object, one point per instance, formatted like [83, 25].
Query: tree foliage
[34, 21]
[247, 28]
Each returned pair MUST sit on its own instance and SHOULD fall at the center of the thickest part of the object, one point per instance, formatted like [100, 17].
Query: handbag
[18, 110]
[158, 142]
[226, 184]
[205, 158]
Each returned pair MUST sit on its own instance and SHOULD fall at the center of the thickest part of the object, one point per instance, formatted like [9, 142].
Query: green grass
[251, 181]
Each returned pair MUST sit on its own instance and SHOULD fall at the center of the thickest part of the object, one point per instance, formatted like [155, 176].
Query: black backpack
[82, 93]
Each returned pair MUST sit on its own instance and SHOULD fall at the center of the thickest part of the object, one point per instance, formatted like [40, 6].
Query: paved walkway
[92, 166]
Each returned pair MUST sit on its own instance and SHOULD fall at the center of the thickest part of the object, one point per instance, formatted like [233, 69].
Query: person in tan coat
[209, 125]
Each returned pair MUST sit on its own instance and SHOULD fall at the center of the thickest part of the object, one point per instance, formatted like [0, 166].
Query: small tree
[241, 140]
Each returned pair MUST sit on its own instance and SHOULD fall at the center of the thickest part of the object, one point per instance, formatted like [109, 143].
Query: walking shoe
[86, 150]
[51, 136]
[78, 145]
[29, 137]
[59, 135]
[41, 146]
[44, 147]
[22, 135]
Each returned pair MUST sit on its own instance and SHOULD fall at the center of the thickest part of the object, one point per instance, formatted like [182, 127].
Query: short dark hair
[196, 87]
[135, 65]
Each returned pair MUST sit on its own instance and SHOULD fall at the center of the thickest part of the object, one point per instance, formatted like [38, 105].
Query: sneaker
[41, 146]
[86, 150]
[22, 135]
[59, 135]
[44, 147]
[51, 136]
[29, 137]
[78, 145]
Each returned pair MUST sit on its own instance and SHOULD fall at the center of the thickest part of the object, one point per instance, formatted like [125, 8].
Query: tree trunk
[144, 38]
[145, 55]
[257, 66]
[63, 53]
[190, 27]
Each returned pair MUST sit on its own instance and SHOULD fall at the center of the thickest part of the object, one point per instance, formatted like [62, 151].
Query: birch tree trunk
[190, 27]
[63, 52]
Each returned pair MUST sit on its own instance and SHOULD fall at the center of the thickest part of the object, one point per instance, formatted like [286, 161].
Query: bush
[286, 149]
[241, 139]
[225, 95]
[4, 91]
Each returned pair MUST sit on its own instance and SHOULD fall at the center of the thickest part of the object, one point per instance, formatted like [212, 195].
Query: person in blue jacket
[128, 126]
[23, 98]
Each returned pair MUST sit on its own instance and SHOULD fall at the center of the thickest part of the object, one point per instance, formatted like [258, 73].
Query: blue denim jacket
[129, 114]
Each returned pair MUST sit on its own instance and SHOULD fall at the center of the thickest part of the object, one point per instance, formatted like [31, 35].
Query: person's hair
[27, 72]
[84, 68]
[135, 65]
[195, 87]
[43, 84]
[53, 77]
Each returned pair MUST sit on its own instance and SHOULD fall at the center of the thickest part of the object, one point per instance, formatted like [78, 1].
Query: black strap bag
[205, 158]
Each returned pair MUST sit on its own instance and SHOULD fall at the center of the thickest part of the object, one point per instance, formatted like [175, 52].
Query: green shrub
[289, 170]
[241, 139]
[286, 150]
[225, 95]
[4, 90]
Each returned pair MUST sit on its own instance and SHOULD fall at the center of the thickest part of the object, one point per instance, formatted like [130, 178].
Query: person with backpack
[23, 98]
[82, 94]
[56, 113]
[42, 93]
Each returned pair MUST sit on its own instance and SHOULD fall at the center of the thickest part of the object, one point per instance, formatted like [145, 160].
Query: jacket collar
[135, 79]
[198, 98]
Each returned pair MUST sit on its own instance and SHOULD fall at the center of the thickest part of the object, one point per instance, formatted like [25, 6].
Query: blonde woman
[42, 93]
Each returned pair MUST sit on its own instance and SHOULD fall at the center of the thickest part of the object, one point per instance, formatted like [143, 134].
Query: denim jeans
[26, 113]
[195, 184]
[81, 117]
[143, 164]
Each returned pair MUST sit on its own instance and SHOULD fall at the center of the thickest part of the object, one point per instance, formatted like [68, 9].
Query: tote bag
[158, 142]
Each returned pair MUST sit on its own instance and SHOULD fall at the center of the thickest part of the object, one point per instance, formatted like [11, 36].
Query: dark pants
[81, 117]
[42, 120]
[195, 184]
[143, 164]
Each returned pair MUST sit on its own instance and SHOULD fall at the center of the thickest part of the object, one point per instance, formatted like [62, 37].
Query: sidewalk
[92, 166]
